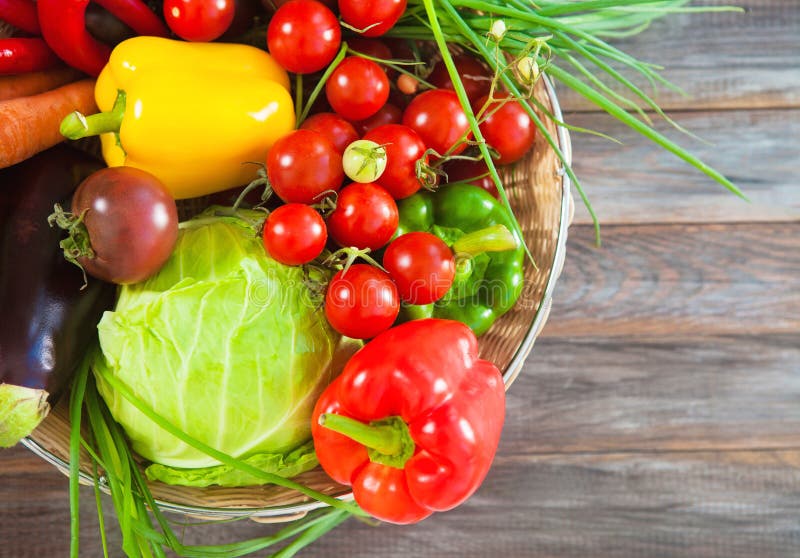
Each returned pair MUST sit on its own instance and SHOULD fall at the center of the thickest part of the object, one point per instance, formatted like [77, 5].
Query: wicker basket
[539, 193]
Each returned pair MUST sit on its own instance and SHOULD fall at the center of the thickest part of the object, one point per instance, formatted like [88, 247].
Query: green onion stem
[463, 99]
[321, 83]
[585, 72]
[576, 29]
[312, 534]
[132, 496]
[560, 9]
[107, 449]
[101, 521]
[514, 90]
[620, 114]
[396, 65]
[75, 407]
[624, 81]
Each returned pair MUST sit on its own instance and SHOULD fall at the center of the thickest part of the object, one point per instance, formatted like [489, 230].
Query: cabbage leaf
[225, 343]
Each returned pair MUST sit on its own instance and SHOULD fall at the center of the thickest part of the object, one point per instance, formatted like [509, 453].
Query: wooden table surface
[659, 413]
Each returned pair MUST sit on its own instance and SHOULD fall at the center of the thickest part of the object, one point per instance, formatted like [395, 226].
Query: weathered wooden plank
[679, 280]
[721, 60]
[639, 182]
[34, 511]
[660, 393]
[698, 504]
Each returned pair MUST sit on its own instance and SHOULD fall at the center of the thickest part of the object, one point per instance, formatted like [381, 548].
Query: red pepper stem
[76, 125]
[388, 441]
[496, 238]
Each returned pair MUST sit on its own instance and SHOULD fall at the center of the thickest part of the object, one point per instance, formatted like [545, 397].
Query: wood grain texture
[661, 393]
[665, 504]
[679, 280]
[637, 183]
[725, 60]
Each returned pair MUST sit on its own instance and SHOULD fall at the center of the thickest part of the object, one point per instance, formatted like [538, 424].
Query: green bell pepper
[489, 257]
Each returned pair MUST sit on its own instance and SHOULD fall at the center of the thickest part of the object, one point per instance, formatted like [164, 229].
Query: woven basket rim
[509, 374]
[559, 254]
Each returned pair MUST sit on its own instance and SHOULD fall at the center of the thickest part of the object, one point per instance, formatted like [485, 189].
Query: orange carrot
[29, 125]
[33, 83]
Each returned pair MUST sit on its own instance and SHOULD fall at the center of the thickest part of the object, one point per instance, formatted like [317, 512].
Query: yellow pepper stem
[76, 125]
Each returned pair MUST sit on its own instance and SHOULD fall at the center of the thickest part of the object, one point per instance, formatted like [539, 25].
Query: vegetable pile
[346, 158]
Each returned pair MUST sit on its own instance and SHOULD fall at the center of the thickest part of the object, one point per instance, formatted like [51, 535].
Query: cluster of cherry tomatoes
[376, 124]
[364, 107]
[361, 300]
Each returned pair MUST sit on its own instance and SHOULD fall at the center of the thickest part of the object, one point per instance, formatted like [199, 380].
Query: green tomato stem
[76, 125]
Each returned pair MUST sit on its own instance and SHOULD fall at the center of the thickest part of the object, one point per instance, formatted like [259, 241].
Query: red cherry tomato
[475, 76]
[372, 18]
[438, 118]
[508, 129]
[199, 20]
[334, 127]
[302, 165]
[403, 148]
[361, 301]
[471, 172]
[366, 216]
[132, 223]
[422, 266]
[388, 114]
[294, 234]
[303, 36]
[357, 88]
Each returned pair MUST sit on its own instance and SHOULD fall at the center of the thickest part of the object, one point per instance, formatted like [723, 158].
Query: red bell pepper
[413, 422]
[20, 14]
[64, 28]
[20, 56]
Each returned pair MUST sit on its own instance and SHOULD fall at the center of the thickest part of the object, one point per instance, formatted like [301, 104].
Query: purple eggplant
[105, 26]
[49, 320]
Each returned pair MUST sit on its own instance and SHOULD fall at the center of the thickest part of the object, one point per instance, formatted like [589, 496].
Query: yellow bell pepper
[192, 114]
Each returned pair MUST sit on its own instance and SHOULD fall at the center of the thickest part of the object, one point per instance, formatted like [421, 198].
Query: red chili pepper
[413, 422]
[20, 56]
[20, 14]
[64, 28]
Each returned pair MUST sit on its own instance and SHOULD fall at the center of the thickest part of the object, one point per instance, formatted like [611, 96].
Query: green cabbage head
[225, 343]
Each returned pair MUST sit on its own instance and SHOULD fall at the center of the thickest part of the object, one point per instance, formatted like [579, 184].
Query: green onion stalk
[562, 40]
[146, 532]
